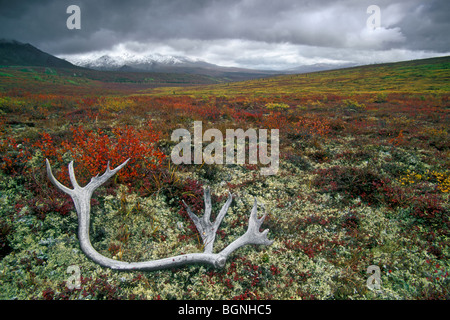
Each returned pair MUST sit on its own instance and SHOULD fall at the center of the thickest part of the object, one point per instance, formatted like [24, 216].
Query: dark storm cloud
[427, 26]
[104, 23]
[191, 25]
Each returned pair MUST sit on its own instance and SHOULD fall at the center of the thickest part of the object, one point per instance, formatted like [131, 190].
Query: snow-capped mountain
[16, 53]
[127, 61]
[155, 62]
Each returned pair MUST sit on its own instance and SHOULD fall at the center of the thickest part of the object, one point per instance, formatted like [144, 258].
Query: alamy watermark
[74, 281]
[74, 20]
[374, 280]
[235, 140]
[374, 21]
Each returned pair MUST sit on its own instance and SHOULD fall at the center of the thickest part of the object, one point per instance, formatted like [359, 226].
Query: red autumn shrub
[429, 209]
[14, 155]
[350, 182]
[91, 150]
[313, 126]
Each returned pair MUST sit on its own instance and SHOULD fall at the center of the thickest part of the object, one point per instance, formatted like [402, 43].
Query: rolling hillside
[85, 81]
[15, 53]
[426, 75]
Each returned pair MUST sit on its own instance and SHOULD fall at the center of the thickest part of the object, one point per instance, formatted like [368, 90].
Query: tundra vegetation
[363, 179]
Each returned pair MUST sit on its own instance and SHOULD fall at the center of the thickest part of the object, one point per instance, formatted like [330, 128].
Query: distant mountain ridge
[15, 53]
[142, 63]
[162, 63]
[166, 63]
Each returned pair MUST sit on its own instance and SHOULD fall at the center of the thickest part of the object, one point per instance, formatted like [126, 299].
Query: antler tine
[254, 224]
[223, 211]
[58, 184]
[205, 227]
[194, 218]
[72, 176]
[97, 181]
[252, 236]
[208, 207]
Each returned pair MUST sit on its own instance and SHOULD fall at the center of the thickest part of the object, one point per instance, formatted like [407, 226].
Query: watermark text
[235, 147]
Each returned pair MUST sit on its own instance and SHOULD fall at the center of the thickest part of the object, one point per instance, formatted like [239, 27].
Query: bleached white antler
[81, 197]
[205, 227]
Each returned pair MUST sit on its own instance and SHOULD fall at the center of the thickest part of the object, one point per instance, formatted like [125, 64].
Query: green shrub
[273, 105]
[352, 104]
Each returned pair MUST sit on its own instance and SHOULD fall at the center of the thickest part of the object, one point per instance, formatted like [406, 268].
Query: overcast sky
[260, 34]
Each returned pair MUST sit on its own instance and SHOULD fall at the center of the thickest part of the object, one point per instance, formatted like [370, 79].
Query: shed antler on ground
[81, 197]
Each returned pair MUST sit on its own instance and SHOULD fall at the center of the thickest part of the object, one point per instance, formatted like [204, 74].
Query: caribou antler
[81, 197]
